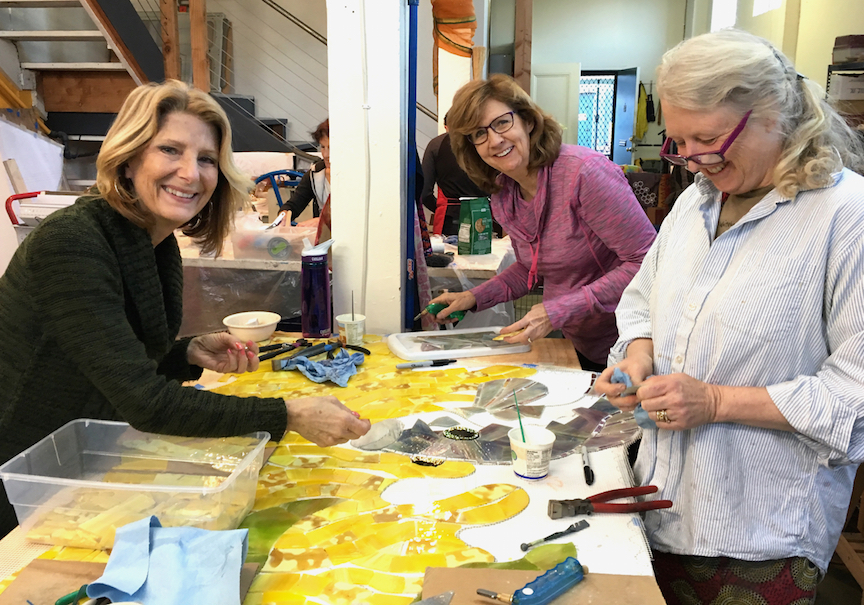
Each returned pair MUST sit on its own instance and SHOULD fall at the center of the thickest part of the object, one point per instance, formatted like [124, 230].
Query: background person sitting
[440, 166]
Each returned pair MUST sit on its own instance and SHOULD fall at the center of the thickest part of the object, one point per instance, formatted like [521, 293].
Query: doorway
[607, 110]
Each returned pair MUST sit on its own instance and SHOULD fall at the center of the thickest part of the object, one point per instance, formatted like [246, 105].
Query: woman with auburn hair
[745, 329]
[92, 299]
[575, 224]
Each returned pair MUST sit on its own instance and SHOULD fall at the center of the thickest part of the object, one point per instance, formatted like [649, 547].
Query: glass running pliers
[596, 503]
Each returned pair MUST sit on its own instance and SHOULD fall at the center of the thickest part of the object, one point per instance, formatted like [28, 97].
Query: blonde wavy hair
[736, 68]
[467, 110]
[142, 115]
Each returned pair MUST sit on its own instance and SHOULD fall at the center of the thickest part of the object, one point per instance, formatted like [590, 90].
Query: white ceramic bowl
[252, 325]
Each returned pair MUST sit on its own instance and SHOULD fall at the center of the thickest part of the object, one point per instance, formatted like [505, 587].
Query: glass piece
[497, 395]
[527, 411]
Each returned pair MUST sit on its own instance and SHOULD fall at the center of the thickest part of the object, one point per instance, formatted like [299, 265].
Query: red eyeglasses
[709, 157]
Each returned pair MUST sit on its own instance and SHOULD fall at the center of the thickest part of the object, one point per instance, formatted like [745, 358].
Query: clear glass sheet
[469, 340]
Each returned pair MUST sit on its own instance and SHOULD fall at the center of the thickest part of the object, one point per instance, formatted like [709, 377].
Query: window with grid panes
[596, 112]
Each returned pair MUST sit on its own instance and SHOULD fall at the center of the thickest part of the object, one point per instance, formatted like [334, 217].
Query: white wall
[285, 68]
[278, 63]
[614, 34]
[821, 21]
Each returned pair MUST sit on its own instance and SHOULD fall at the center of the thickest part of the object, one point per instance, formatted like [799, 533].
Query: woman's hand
[312, 222]
[455, 301]
[639, 364]
[222, 352]
[682, 401]
[324, 421]
[536, 324]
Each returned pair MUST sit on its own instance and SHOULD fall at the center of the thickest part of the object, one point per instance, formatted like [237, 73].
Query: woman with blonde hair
[573, 219]
[745, 327]
[92, 299]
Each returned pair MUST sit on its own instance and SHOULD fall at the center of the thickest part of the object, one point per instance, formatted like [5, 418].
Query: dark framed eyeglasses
[708, 158]
[501, 124]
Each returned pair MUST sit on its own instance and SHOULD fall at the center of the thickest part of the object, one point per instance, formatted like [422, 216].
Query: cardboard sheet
[598, 589]
[46, 580]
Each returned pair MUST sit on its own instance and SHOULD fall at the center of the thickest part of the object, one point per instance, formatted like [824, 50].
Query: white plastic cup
[531, 457]
[351, 331]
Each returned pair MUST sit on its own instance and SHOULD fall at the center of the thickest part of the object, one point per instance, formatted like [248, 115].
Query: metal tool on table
[73, 597]
[442, 599]
[357, 348]
[436, 308]
[545, 588]
[309, 352]
[578, 526]
[598, 503]
[277, 349]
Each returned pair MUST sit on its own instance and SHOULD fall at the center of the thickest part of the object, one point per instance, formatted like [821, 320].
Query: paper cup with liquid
[531, 456]
[352, 327]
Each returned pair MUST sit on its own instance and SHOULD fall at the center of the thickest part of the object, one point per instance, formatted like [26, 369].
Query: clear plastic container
[280, 243]
[89, 477]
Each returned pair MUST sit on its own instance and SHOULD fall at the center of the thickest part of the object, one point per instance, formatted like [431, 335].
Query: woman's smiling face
[176, 173]
[748, 163]
[508, 152]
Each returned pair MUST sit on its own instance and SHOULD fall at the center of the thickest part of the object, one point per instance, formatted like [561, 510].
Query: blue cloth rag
[151, 564]
[338, 370]
[641, 416]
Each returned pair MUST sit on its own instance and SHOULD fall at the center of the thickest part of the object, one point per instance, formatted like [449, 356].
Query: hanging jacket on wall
[641, 117]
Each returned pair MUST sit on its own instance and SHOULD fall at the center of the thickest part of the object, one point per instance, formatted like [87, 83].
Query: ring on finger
[662, 416]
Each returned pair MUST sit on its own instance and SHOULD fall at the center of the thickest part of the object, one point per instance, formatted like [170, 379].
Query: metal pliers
[274, 350]
[595, 504]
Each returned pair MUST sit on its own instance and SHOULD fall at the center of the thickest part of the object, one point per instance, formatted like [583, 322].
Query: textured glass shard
[497, 395]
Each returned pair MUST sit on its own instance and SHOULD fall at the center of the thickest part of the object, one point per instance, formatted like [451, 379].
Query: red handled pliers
[596, 503]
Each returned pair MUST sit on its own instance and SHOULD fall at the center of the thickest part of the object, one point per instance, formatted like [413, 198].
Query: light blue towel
[151, 564]
[339, 369]
[641, 416]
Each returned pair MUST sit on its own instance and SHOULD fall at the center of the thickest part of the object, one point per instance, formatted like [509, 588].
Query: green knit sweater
[89, 314]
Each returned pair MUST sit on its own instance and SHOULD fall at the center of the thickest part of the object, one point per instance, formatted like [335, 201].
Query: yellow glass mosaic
[378, 390]
[355, 546]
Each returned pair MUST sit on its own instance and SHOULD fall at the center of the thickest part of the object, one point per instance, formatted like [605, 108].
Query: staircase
[85, 56]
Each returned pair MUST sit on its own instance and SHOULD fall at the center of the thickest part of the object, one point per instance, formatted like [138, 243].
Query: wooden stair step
[73, 66]
[39, 3]
[51, 35]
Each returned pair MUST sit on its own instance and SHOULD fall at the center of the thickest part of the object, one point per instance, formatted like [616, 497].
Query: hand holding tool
[436, 308]
[579, 526]
[545, 588]
[595, 504]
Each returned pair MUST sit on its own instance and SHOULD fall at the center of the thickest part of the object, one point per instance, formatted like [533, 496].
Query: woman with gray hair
[745, 326]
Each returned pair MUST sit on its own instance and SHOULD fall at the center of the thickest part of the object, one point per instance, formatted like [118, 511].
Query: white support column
[453, 72]
[367, 64]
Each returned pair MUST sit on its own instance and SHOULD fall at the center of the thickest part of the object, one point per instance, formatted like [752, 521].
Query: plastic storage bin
[89, 477]
[281, 243]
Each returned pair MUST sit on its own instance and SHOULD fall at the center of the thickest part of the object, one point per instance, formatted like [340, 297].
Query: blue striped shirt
[777, 301]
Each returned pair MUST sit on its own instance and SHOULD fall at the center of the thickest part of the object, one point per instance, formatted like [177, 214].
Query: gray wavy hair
[750, 73]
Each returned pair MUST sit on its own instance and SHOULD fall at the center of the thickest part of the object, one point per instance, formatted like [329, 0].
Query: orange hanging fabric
[453, 30]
